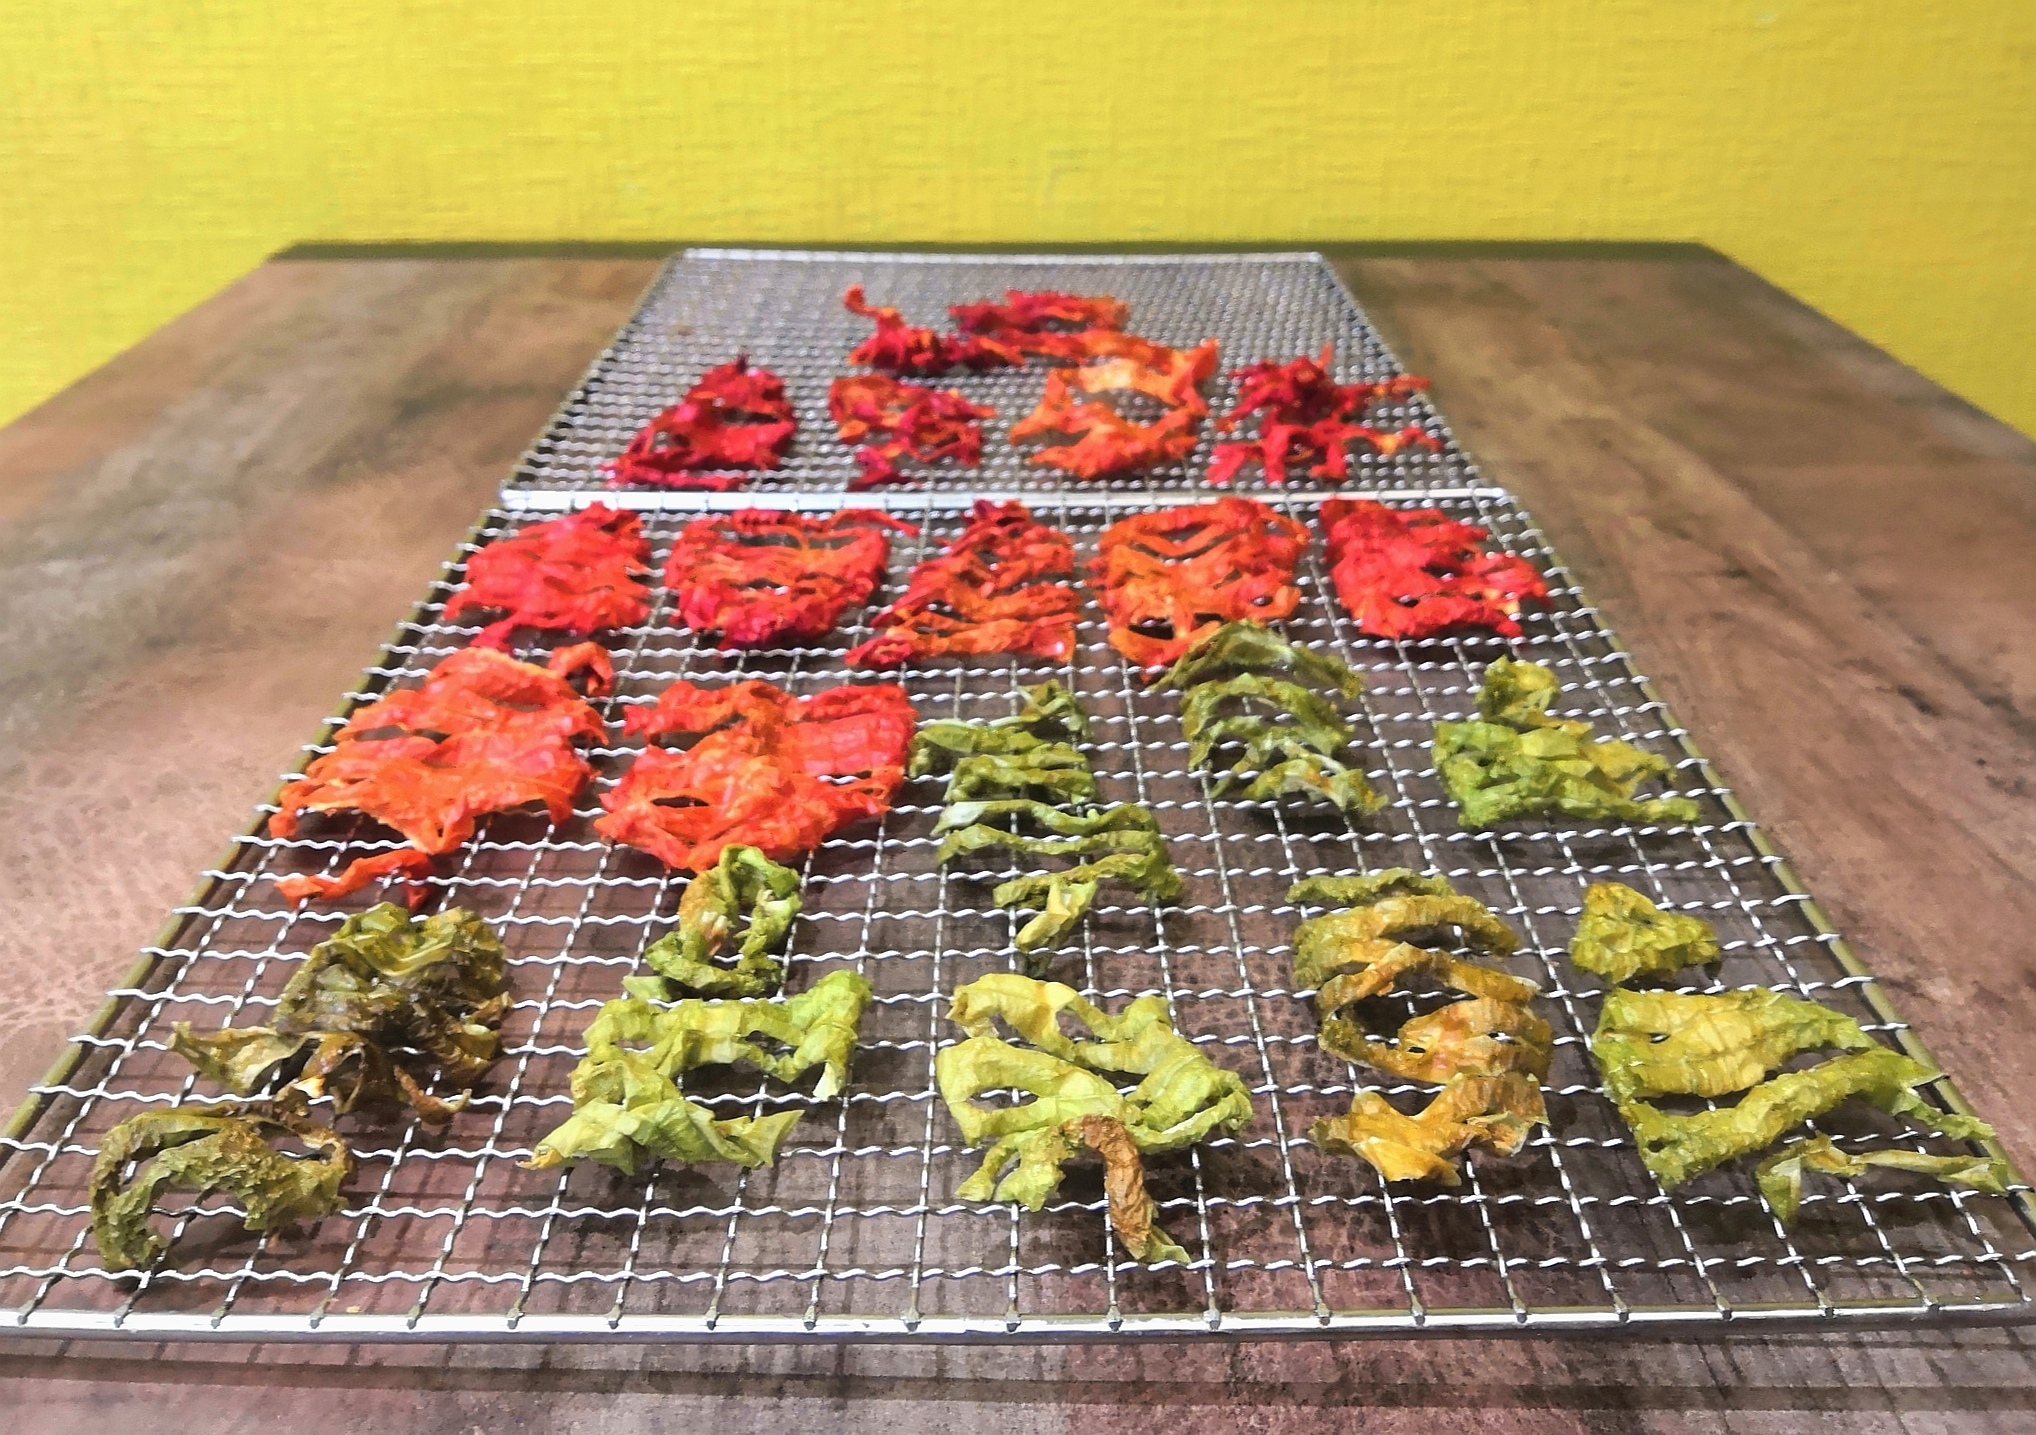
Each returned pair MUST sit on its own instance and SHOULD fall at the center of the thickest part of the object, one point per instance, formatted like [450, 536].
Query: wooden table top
[1824, 560]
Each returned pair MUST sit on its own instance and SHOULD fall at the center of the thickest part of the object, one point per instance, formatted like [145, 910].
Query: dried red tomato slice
[925, 424]
[1418, 573]
[759, 576]
[761, 774]
[899, 348]
[1307, 417]
[983, 593]
[736, 417]
[1168, 577]
[1038, 322]
[574, 574]
[483, 734]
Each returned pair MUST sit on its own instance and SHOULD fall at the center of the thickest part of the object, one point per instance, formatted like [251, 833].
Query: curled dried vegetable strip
[992, 590]
[734, 418]
[239, 1148]
[627, 1109]
[1622, 935]
[1418, 573]
[1168, 578]
[1780, 1177]
[763, 771]
[899, 348]
[1297, 757]
[1497, 1112]
[894, 422]
[1517, 761]
[1305, 416]
[744, 885]
[574, 575]
[1181, 1098]
[759, 576]
[376, 1010]
[484, 733]
[1042, 321]
[1105, 440]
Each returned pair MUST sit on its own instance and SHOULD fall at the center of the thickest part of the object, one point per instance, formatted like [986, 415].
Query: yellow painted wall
[1876, 157]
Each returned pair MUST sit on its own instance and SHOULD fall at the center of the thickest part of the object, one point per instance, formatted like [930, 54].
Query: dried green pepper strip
[370, 1013]
[1517, 761]
[626, 1107]
[1121, 843]
[1250, 647]
[1181, 1098]
[1050, 716]
[1372, 887]
[1498, 1112]
[230, 1147]
[1780, 1176]
[744, 881]
[1052, 771]
[1622, 935]
[1657, 1043]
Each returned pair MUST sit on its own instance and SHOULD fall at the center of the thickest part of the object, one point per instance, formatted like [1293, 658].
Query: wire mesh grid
[783, 309]
[856, 1233]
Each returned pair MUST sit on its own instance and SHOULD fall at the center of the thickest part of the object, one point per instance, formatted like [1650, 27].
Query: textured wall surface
[1879, 161]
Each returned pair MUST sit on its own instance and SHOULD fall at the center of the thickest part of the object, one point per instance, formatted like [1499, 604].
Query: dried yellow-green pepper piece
[1780, 1176]
[743, 883]
[1622, 935]
[1497, 1112]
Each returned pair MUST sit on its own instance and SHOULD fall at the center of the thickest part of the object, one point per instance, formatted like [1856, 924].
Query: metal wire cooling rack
[856, 1233]
[783, 309]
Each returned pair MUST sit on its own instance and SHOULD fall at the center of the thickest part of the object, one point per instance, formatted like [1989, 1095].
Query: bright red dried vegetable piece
[1307, 417]
[1039, 322]
[925, 424]
[1169, 577]
[574, 575]
[1106, 441]
[483, 734]
[1417, 573]
[899, 348]
[759, 576]
[405, 864]
[736, 417]
[987, 592]
[760, 774]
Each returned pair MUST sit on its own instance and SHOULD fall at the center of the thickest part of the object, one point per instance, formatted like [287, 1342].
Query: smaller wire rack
[856, 1233]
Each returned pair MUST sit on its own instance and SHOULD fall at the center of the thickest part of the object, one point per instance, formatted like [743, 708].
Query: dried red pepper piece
[483, 734]
[1106, 441]
[1169, 577]
[760, 775]
[1040, 321]
[405, 864]
[986, 592]
[736, 417]
[925, 424]
[899, 348]
[1307, 417]
[574, 574]
[759, 576]
[1418, 573]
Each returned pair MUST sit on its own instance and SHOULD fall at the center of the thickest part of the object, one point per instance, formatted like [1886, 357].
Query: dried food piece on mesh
[1622, 935]
[234, 1147]
[763, 771]
[1182, 1097]
[904, 421]
[760, 576]
[989, 591]
[1249, 647]
[1296, 757]
[1041, 321]
[1372, 887]
[1653, 1044]
[1305, 416]
[1516, 761]
[1167, 578]
[899, 348]
[405, 866]
[1107, 441]
[484, 733]
[628, 1110]
[746, 886]
[734, 418]
[1418, 573]
[574, 574]
[377, 1010]
[1050, 717]
[1119, 843]
[1780, 1177]
[1497, 1112]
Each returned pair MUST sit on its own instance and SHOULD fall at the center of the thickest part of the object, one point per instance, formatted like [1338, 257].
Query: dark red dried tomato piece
[765, 771]
[1418, 573]
[913, 422]
[760, 576]
[899, 348]
[1039, 322]
[736, 417]
[990, 591]
[1168, 577]
[575, 574]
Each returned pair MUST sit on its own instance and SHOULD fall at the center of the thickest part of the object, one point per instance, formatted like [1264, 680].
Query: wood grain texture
[1815, 553]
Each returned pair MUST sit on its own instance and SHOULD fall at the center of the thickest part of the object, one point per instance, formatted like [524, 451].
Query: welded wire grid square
[857, 1231]
[783, 310]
